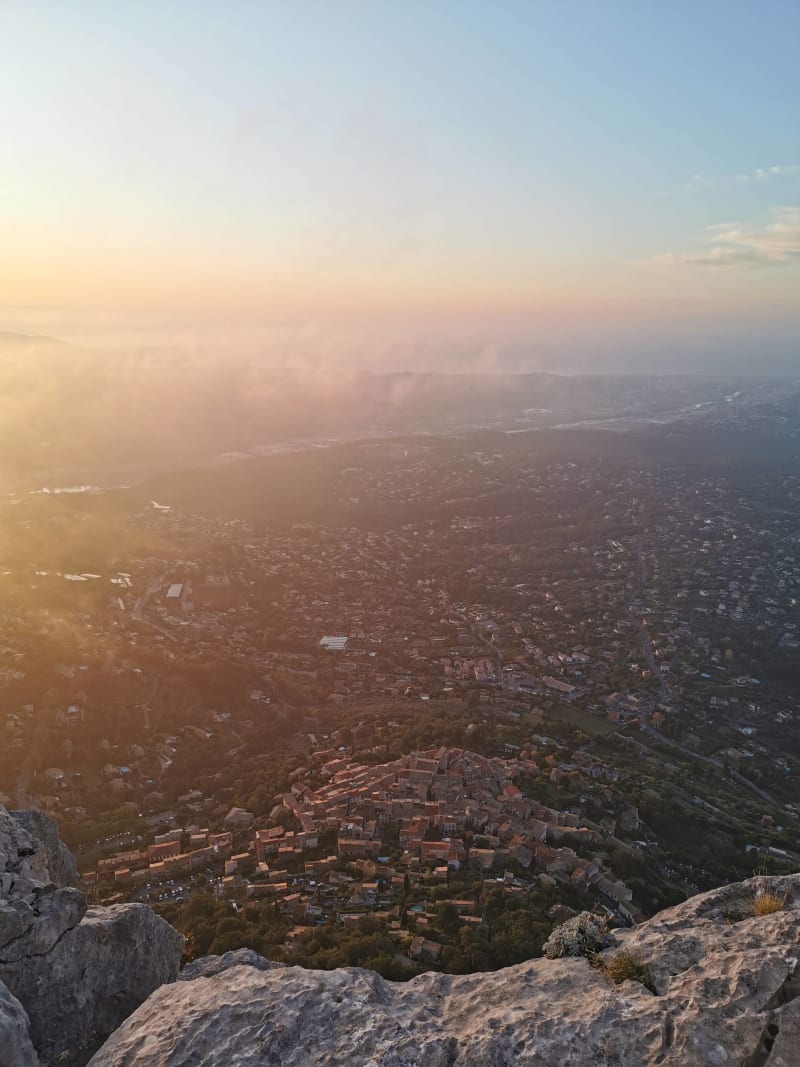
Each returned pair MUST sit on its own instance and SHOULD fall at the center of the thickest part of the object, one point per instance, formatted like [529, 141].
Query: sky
[576, 185]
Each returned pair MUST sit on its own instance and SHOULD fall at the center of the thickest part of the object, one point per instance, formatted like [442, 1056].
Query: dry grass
[626, 966]
[768, 902]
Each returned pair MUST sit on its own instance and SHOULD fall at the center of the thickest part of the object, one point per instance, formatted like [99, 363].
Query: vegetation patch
[628, 966]
[579, 936]
[768, 901]
[590, 724]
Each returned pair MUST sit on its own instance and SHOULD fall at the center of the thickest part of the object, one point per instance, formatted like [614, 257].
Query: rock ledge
[727, 992]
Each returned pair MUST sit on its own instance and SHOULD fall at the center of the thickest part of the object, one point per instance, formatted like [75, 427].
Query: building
[334, 643]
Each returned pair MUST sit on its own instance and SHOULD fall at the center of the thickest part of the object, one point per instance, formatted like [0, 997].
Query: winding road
[665, 694]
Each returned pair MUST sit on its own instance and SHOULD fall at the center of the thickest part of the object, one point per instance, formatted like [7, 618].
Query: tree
[448, 919]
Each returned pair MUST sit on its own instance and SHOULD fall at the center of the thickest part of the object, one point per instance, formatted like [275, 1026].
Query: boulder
[52, 860]
[80, 990]
[16, 1047]
[32, 925]
[74, 972]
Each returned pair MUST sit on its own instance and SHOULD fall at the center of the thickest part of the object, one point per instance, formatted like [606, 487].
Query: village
[396, 830]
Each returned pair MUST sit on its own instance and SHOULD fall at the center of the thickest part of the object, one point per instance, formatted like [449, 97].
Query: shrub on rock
[580, 936]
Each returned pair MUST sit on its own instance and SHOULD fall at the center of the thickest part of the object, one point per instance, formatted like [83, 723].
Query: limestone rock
[93, 978]
[32, 925]
[52, 860]
[35, 909]
[16, 1048]
[77, 973]
[18, 859]
[728, 993]
[209, 966]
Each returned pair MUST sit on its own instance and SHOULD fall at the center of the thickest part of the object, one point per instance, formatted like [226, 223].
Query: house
[422, 948]
[238, 819]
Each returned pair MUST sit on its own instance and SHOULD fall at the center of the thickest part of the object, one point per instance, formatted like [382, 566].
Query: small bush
[579, 936]
[767, 902]
[626, 966]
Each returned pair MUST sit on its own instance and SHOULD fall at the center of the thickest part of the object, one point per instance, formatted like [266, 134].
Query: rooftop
[334, 643]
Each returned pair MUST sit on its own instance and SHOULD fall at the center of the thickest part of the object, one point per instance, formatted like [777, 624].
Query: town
[492, 668]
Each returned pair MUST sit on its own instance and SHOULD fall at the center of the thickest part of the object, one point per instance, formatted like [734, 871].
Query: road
[498, 657]
[665, 694]
[146, 707]
[739, 778]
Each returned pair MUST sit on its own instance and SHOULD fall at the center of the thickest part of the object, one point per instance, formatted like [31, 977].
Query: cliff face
[722, 988]
[69, 975]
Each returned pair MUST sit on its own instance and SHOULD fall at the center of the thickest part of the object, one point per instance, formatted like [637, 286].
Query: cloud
[762, 174]
[759, 175]
[732, 244]
[699, 181]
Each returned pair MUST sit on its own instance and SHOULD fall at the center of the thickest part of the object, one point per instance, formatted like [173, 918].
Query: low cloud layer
[735, 244]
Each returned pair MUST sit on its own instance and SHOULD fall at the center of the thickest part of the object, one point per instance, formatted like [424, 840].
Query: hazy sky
[574, 181]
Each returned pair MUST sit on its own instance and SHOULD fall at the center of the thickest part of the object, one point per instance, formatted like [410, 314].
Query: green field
[583, 720]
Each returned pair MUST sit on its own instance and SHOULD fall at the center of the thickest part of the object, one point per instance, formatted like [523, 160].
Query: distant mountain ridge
[65, 408]
[67, 412]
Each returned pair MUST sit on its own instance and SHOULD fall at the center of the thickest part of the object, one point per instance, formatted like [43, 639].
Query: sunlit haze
[564, 186]
[399, 533]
